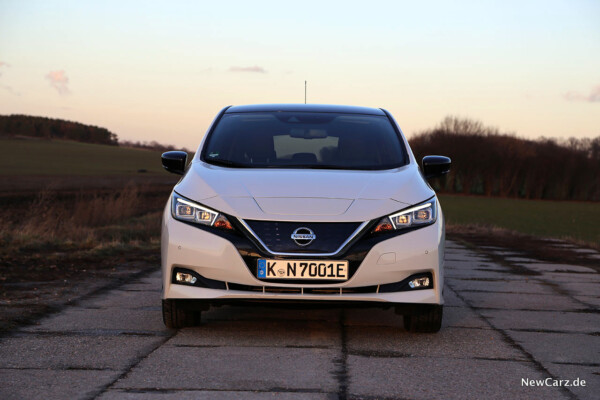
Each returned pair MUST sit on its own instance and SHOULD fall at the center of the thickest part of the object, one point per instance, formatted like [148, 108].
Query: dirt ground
[31, 291]
[551, 250]
[17, 186]
[41, 274]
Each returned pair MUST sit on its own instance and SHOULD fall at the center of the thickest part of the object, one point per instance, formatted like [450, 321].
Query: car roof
[322, 108]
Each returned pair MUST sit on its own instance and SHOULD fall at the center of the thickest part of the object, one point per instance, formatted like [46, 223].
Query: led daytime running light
[419, 215]
[186, 210]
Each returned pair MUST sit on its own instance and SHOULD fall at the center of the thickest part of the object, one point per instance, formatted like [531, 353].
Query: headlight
[419, 215]
[186, 210]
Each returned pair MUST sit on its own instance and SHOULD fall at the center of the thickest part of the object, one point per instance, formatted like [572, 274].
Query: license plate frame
[307, 270]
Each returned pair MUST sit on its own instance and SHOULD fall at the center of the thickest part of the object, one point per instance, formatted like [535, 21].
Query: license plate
[302, 269]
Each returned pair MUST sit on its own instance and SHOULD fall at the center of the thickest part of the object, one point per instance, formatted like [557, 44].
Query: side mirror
[434, 166]
[174, 161]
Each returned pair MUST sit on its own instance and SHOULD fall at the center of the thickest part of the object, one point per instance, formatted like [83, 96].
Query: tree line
[488, 162]
[152, 145]
[485, 161]
[50, 128]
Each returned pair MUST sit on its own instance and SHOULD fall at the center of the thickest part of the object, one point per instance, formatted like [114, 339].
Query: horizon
[163, 72]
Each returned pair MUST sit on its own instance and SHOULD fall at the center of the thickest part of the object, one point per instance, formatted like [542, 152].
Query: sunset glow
[162, 70]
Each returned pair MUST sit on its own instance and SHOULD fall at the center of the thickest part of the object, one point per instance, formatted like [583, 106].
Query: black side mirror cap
[174, 161]
[434, 166]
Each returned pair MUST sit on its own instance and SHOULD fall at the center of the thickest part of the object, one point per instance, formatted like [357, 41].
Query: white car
[303, 203]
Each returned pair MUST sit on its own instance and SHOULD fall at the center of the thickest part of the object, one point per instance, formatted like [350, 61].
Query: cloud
[255, 68]
[3, 64]
[59, 81]
[10, 90]
[593, 97]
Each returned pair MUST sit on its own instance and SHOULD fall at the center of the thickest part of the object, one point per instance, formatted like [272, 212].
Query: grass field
[58, 157]
[20, 159]
[556, 219]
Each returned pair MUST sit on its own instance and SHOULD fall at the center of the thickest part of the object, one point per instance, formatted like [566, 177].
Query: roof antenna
[304, 92]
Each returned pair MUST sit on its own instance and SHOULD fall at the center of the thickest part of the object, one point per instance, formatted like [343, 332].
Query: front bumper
[216, 258]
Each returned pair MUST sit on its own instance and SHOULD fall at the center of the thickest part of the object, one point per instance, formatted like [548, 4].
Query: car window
[304, 140]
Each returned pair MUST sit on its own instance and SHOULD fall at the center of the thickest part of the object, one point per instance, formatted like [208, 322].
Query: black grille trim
[274, 237]
[307, 290]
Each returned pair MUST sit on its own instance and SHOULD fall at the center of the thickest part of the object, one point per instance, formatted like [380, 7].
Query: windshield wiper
[234, 164]
[317, 166]
[227, 163]
[306, 166]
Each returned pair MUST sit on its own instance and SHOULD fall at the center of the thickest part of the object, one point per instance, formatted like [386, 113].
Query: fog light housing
[421, 282]
[182, 277]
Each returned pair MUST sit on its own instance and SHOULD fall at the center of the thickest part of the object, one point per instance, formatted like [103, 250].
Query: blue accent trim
[262, 268]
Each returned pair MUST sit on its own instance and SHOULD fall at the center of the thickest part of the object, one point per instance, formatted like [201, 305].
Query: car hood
[304, 194]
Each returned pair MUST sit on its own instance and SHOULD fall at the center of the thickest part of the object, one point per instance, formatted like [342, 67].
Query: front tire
[429, 320]
[175, 316]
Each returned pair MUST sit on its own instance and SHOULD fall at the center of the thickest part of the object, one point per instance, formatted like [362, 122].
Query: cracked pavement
[506, 318]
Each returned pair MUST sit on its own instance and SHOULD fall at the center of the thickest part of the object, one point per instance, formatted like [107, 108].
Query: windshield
[304, 140]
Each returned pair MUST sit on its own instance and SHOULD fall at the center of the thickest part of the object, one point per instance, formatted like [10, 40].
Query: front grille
[290, 290]
[277, 236]
[363, 289]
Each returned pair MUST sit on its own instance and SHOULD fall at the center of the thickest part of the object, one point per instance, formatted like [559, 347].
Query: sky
[161, 70]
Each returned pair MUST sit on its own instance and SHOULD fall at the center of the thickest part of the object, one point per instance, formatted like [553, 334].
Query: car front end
[271, 227]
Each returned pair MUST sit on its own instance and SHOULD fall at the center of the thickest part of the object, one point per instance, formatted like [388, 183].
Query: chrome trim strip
[354, 234]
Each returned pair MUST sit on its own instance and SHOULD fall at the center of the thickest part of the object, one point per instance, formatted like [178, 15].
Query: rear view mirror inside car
[308, 133]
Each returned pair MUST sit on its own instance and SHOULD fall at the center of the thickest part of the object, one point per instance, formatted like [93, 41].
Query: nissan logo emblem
[303, 236]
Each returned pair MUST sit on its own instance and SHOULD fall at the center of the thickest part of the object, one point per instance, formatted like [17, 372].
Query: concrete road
[507, 319]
